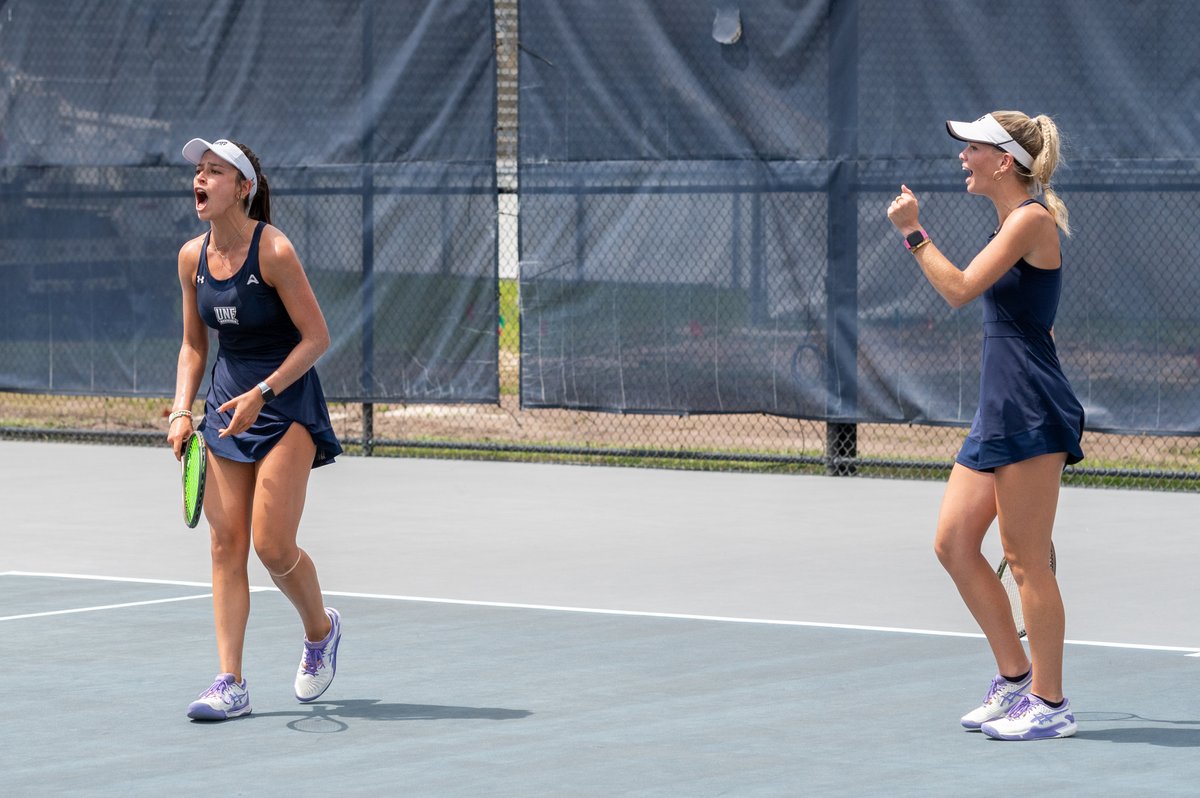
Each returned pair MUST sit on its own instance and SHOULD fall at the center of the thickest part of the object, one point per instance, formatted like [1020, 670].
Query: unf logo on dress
[226, 315]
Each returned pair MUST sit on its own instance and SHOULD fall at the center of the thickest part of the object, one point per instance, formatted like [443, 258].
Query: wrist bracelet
[178, 414]
[918, 246]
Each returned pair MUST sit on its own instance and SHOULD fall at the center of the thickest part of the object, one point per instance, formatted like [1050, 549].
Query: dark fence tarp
[375, 122]
[703, 227]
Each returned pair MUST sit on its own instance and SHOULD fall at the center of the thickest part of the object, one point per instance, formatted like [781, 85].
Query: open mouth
[201, 199]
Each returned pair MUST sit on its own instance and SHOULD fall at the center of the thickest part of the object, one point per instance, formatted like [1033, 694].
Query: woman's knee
[954, 547]
[1025, 568]
[276, 556]
[229, 549]
[946, 551]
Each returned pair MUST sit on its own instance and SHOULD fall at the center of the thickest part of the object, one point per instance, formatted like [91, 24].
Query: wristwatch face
[915, 237]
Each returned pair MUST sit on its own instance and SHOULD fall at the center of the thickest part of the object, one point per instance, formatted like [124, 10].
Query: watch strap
[916, 239]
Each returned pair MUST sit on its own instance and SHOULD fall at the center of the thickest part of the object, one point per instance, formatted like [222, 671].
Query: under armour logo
[199, 279]
[252, 281]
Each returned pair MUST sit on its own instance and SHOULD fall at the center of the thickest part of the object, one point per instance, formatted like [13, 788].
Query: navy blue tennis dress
[1026, 405]
[255, 334]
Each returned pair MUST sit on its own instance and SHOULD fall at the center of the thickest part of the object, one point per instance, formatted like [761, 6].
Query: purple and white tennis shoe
[318, 662]
[1033, 719]
[225, 699]
[1001, 697]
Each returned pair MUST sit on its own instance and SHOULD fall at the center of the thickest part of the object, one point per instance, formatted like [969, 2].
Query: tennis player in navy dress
[1029, 423]
[265, 419]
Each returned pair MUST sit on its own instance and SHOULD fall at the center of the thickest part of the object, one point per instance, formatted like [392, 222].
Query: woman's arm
[282, 270]
[193, 351]
[1021, 235]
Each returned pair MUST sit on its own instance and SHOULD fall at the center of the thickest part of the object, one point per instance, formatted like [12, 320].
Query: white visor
[227, 151]
[986, 130]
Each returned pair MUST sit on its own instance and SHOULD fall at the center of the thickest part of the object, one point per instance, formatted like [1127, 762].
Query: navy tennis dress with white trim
[1026, 405]
[255, 334]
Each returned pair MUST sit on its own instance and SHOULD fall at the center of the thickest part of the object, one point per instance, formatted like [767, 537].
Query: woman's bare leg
[968, 509]
[1027, 501]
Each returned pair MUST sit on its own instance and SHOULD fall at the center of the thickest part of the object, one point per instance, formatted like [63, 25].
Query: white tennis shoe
[1033, 719]
[225, 699]
[1001, 697]
[318, 662]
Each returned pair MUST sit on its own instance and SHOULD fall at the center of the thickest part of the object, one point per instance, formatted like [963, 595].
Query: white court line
[75, 610]
[106, 578]
[102, 607]
[1191, 651]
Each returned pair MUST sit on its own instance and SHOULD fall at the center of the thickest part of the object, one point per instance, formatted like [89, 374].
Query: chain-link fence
[679, 312]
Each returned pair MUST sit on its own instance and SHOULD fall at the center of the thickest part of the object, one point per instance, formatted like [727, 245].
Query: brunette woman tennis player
[1029, 422]
[265, 421]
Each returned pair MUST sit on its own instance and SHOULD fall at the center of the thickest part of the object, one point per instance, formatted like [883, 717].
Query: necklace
[223, 251]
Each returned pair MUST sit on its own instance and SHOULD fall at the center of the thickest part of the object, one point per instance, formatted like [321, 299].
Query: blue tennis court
[709, 634]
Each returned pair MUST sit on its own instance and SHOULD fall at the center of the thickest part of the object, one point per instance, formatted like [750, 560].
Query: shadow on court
[1137, 729]
[332, 716]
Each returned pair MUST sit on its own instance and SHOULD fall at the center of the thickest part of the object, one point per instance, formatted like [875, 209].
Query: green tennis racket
[1014, 593]
[195, 463]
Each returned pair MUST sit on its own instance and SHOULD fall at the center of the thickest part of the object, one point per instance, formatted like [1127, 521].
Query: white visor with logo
[986, 130]
[227, 151]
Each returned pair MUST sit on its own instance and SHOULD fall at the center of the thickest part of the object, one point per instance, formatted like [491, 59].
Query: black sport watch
[915, 239]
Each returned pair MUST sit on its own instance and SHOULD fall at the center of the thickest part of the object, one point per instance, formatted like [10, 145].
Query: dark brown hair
[260, 206]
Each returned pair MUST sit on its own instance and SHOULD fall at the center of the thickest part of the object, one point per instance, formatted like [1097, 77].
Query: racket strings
[194, 462]
[1014, 599]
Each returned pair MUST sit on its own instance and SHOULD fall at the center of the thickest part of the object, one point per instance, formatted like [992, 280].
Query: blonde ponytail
[1041, 139]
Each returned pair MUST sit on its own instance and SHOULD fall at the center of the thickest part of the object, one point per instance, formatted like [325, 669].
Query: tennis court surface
[524, 630]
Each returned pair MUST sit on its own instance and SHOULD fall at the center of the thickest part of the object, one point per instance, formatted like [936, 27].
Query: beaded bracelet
[178, 414]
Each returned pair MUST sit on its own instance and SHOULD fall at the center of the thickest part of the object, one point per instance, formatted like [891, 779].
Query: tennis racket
[1014, 593]
[195, 463]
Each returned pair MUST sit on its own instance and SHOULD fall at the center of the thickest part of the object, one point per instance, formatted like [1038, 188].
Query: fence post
[841, 279]
[368, 429]
[367, 375]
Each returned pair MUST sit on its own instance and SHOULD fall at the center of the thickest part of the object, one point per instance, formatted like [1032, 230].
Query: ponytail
[260, 206]
[1044, 165]
[1040, 137]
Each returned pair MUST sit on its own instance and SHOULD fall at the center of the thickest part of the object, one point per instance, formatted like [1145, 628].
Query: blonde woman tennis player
[1029, 422]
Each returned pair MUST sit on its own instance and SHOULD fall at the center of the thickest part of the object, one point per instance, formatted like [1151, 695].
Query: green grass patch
[510, 317]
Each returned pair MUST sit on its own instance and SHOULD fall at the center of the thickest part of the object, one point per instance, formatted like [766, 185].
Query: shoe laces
[314, 657]
[219, 688]
[1024, 706]
[994, 692]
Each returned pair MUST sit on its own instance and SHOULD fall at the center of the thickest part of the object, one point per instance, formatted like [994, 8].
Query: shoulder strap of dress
[1022, 205]
[202, 261]
[252, 254]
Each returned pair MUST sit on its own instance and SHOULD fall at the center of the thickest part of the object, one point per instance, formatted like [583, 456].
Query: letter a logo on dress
[252, 281]
[226, 315]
